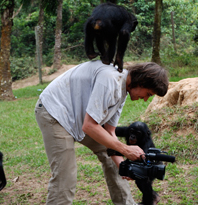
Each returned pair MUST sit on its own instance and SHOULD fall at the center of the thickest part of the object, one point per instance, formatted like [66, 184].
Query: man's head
[149, 75]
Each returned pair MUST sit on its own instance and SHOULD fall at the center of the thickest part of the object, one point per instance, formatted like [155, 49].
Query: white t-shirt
[92, 87]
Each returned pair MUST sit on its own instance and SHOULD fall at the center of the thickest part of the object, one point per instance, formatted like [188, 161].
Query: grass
[24, 154]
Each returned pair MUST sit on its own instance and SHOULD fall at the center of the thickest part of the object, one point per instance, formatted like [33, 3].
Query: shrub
[22, 67]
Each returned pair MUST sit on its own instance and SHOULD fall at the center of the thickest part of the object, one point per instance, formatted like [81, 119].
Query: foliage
[5, 4]
[185, 19]
[74, 36]
[23, 32]
[22, 67]
[23, 35]
[184, 64]
[50, 6]
[75, 14]
[142, 38]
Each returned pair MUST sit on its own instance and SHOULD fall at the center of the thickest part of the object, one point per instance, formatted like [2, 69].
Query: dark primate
[136, 133]
[112, 1]
[2, 175]
[109, 25]
[139, 134]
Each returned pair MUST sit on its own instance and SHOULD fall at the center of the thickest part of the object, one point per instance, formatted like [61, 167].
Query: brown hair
[149, 75]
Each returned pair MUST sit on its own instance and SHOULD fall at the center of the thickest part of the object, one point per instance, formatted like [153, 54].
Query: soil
[34, 80]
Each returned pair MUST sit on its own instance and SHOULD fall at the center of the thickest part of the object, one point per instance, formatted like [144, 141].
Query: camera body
[151, 167]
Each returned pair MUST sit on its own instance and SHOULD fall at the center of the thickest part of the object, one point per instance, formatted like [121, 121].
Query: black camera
[150, 167]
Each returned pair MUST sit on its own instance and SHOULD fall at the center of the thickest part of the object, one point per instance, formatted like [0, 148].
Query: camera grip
[111, 152]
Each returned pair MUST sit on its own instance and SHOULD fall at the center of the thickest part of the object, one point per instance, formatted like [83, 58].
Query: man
[75, 105]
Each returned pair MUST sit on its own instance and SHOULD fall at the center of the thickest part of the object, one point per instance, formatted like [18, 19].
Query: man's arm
[111, 130]
[99, 134]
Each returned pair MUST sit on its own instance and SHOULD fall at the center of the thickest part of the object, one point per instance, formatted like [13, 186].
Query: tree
[58, 32]
[40, 24]
[157, 32]
[6, 11]
[7, 16]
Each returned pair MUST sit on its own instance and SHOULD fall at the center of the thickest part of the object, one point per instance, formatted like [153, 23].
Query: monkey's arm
[121, 131]
[111, 152]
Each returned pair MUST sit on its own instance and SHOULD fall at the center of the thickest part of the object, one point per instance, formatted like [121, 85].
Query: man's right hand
[134, 153]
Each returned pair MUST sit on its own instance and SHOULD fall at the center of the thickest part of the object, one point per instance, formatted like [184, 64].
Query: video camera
[150, 167]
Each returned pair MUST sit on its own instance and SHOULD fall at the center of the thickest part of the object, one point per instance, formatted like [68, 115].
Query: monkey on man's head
[110, 26]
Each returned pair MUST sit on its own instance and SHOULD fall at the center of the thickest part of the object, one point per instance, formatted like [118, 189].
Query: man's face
[140, 93]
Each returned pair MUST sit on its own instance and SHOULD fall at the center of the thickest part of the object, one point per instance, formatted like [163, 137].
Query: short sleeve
[114, 120]
[99, 102]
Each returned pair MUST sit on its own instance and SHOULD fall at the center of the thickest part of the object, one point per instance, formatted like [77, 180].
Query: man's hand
[109, 140]
[127, 178]
[134, 153]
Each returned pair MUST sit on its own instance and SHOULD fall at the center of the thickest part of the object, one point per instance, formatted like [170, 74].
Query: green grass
[24, 154]
[132, 110]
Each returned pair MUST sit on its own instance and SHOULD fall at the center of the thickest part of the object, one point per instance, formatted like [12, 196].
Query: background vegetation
[75, 14]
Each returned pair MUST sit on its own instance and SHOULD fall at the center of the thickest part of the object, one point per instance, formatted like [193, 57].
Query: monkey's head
[138, 133]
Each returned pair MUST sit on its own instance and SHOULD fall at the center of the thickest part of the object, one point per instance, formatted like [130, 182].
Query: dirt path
[34, 80]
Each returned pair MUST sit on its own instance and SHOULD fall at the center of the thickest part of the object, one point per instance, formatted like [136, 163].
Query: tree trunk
[173, 30]
[38, 54]
[57, 48]
[157, 32]
[5, 72]
[40, 24]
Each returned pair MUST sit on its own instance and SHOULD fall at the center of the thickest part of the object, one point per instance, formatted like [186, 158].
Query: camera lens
[158, 171]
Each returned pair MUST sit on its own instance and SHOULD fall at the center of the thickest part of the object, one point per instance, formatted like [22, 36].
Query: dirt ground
[34, 80]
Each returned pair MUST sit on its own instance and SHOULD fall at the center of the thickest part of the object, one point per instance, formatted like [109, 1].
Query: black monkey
[2, 175]
[107, 23]
[112, 1]
[136, 133]
[139, 134]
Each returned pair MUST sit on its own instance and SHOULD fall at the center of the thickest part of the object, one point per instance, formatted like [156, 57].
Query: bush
[22, 67]
[48, 59]
[196, 52]
[183, 64]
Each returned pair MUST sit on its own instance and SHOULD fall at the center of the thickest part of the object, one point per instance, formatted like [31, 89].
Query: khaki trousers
[60, 150]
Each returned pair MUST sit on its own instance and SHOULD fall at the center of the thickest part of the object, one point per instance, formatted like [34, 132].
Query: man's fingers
[127, 178]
